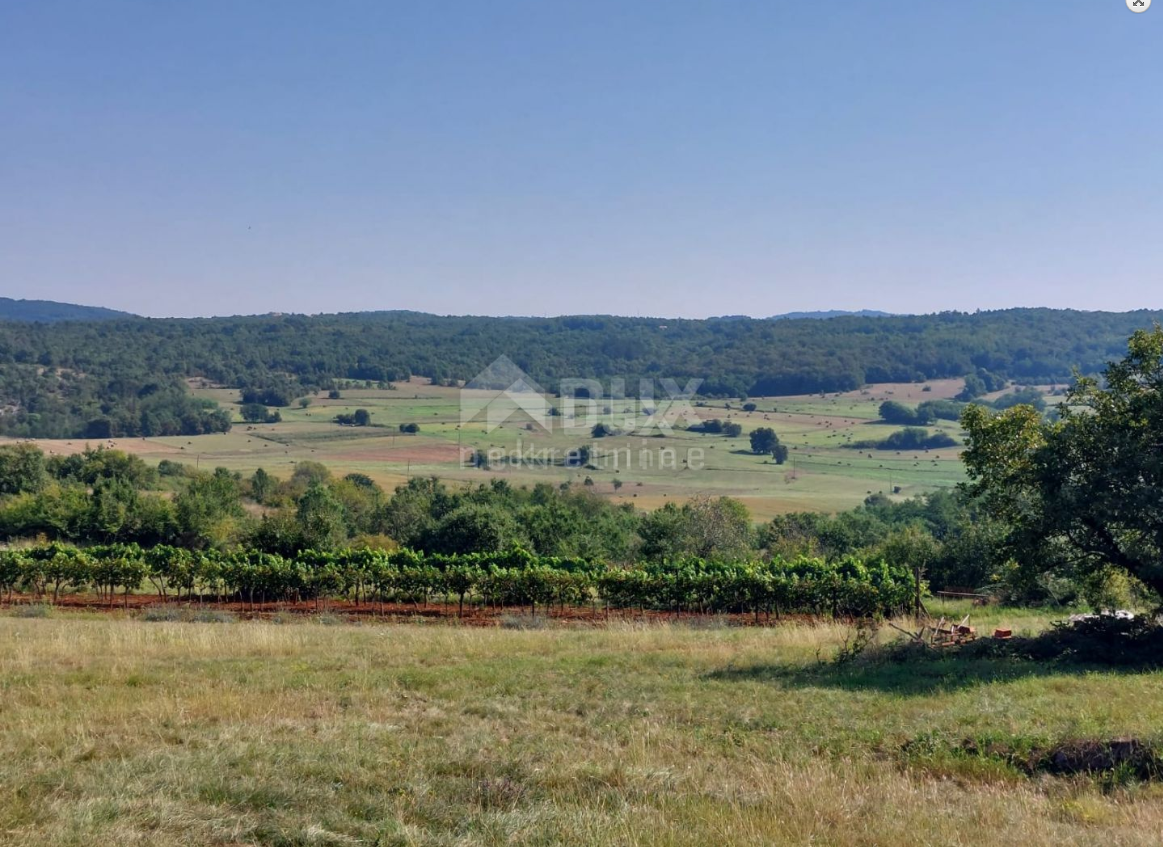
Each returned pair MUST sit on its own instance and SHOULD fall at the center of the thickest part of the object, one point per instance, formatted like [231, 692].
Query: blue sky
[668, 158]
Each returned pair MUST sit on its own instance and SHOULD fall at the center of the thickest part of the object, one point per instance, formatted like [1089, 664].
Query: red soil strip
[445, 613]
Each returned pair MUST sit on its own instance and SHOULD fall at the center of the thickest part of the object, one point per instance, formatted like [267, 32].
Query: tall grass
[171, 732]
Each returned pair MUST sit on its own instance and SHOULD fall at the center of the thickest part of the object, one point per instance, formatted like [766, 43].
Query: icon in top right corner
[1138, 5]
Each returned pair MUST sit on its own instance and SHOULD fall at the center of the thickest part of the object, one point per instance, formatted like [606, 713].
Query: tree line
[127, 377]
[1057, 507]
[103, 496]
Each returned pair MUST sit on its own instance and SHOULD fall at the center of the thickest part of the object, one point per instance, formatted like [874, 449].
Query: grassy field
[821, 474]
[120, 731]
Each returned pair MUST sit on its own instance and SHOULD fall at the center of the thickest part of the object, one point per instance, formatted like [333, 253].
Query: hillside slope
[49, 311]
[126, 377]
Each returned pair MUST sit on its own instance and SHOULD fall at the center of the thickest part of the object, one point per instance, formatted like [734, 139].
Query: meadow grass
[822, 474]
[123, 731]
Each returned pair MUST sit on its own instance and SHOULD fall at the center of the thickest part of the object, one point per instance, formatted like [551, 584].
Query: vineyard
[516, 580]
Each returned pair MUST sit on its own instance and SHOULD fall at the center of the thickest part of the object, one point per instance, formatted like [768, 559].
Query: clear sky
[662, 157]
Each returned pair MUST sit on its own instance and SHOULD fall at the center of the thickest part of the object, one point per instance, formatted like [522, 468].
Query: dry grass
[126, 732]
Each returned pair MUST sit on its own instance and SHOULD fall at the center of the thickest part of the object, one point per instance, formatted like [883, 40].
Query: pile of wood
[942, 634]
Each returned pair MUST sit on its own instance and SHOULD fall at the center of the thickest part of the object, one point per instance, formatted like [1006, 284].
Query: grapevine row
[847, 588]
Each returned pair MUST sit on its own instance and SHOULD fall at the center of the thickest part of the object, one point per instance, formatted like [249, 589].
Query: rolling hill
[49, 311]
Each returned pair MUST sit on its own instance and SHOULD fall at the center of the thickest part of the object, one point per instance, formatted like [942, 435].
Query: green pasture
[822, 473]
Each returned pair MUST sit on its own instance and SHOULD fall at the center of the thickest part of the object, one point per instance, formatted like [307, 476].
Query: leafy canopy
[1086, 492]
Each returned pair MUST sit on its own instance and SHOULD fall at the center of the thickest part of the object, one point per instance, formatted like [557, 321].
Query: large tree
[22, 468]
[1085, 491]
[763, 439]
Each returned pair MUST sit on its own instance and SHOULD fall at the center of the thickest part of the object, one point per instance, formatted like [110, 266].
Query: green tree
[1084, 492]
[254, 412]
[309, 473]
[705, 527]
[915, 549]
[898, 413]
[473, 528]
[22, 468]
[112, 509]
[763, 440]
[262, 486]
[412, 511]
[209, 510]
[322, 520]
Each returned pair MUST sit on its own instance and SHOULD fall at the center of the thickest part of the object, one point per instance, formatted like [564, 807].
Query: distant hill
[125, 377]
[49, 312]
[834, 313]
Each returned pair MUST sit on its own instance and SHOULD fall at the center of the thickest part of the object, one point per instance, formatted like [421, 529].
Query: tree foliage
[1084, 493]
[127, 377]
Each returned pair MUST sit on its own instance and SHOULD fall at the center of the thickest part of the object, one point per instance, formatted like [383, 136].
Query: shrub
[32, 610]
[212, 616]
[161, 614]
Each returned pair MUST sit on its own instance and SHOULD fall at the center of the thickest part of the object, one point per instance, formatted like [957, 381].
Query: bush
[361, 417]
[175, 614]
[212, 616]
[523, 622]
[161, 614]
[909, 438]
[258, 413]
[897, 413]
[1025, 396]
[32, 610]
[1103, 640]
[942, 410]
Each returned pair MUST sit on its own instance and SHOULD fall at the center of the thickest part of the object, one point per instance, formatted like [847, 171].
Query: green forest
[1055, 507]
[126, 377]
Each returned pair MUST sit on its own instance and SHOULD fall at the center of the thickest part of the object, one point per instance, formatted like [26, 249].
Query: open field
[820, 474]
[120, 731]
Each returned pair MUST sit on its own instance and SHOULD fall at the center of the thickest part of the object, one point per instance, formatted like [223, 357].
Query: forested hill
[124, 377]
[48, 311]
[831, 313]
